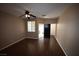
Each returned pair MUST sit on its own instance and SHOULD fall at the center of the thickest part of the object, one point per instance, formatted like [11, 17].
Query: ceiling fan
[28, 15]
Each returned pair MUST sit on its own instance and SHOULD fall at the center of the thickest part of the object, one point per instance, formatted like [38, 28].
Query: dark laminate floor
[34, 47]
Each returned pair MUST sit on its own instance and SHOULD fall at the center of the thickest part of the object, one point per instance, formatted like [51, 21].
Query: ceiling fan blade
[32, 15]
[22, 15]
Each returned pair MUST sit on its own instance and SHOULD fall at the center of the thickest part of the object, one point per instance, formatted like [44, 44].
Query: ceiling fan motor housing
[26, 12]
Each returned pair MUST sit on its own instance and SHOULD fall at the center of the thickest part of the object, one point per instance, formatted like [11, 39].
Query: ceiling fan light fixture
[27, 15]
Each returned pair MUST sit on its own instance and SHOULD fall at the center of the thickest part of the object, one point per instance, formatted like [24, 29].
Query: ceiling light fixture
[27, 15]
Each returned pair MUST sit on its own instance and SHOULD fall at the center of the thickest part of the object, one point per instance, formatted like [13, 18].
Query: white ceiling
[49, 9]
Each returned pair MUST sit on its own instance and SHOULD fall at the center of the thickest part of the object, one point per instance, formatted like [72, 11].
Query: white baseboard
[61, 47]
[12, 43]
[16, 42]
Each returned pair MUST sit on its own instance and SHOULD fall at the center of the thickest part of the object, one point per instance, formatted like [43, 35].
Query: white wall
[53, 29]
[68, 30]
[11, 29]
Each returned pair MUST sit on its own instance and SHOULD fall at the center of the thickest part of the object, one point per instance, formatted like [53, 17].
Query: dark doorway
[46, 30]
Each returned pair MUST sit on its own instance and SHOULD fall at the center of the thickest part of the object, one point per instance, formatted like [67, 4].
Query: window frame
[31, 27]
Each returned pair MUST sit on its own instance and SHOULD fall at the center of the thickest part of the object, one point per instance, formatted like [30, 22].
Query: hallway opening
[46, 30]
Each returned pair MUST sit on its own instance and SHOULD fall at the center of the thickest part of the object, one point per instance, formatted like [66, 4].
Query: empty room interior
[39, 29]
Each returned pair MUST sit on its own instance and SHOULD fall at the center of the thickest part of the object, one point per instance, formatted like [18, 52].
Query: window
[31, 26]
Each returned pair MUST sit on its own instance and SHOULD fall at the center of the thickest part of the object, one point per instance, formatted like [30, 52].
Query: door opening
[40, 31]
[46, 30]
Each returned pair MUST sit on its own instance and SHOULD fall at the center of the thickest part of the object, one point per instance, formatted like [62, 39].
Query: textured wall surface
[68, 30]
[11, 29]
